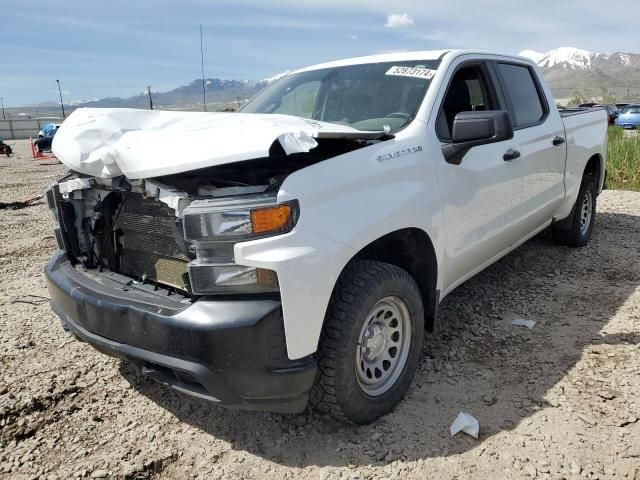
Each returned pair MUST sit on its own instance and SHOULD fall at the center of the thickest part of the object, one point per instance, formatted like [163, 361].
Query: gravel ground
[557, 401]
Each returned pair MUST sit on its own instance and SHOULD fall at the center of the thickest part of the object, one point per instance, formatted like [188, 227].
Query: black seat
[458, 100]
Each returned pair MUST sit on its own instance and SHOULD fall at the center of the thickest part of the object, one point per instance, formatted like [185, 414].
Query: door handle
[558, 141]
[511, 154]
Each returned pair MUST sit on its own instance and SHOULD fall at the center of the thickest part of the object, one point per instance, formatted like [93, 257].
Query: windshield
[631, 109]
[365, 97]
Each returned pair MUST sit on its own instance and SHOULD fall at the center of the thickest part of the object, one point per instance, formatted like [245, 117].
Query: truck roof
[402, 57]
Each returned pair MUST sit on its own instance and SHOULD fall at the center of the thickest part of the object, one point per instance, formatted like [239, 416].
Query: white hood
[109, 142]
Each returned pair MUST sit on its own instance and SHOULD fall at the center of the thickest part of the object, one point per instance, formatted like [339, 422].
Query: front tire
[370, 344]
[584, 211]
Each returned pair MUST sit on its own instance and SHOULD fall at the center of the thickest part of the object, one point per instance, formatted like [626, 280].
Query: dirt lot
[558, 401]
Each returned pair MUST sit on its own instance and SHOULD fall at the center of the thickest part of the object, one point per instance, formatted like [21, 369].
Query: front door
[480, 193]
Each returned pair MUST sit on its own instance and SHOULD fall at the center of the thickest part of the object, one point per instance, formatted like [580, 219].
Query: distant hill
[573, 72]
[220, 93]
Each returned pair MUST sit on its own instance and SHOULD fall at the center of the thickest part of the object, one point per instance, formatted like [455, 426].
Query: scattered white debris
[466, 423]
[523, 322]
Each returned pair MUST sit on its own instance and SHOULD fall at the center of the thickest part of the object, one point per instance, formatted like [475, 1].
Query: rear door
[539, 138]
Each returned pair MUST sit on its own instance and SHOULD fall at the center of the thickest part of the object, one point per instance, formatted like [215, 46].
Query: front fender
[346, 203]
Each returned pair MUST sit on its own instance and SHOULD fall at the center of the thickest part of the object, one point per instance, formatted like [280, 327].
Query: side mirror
[471, 129]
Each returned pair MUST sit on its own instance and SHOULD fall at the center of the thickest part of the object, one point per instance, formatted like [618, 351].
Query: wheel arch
[595, 168]
[412, 250]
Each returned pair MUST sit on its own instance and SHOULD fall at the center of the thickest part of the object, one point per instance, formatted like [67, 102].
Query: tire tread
[356, 284]
[572, 237]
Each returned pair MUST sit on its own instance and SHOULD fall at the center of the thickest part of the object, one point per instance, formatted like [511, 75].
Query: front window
[627, 110]
[365, 97]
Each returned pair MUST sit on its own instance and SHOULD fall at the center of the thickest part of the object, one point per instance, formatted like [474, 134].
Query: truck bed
[586, 132]
[569, 112]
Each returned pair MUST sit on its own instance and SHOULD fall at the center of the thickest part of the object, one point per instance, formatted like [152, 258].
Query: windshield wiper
[356, 135]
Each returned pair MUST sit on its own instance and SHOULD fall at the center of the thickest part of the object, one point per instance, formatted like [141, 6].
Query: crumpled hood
[109, 142]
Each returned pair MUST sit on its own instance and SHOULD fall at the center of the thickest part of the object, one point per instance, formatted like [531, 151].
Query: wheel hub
[375, 341]
[383, 346]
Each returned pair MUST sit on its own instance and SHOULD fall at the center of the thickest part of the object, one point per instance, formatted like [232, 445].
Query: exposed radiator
[150, 242]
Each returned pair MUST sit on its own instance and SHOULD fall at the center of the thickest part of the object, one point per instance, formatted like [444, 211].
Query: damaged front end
[175, 234]
[135, 208]
[147, 270]
[148, 275]
[177, 242]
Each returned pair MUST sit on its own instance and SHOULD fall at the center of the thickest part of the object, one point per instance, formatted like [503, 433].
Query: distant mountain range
[573, 72]
[220, 94]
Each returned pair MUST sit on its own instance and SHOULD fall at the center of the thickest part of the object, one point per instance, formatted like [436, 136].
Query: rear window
[527, 105]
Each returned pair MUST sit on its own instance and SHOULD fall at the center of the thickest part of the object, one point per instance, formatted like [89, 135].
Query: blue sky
[115, 48]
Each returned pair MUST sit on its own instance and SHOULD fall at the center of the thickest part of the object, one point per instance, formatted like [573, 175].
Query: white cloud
[353, 37]
[399, 20]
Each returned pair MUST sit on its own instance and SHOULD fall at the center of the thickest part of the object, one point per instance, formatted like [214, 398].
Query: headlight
[214, 225]
[209, 220]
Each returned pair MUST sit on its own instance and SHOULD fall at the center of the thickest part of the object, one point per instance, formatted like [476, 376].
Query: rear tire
[582, 218]
[370, 343]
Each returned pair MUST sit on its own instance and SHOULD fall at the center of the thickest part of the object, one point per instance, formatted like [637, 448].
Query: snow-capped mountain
[568, 56]
[572, 71]
[532, 55]
[577, 59]
[80, 102]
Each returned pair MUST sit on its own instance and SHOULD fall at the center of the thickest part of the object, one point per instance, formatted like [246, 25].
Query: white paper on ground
[466, 423]
[108, 142]
[519, 320]
[523, 322]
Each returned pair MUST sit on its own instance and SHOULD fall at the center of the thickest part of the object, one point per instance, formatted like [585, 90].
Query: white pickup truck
[296, 251]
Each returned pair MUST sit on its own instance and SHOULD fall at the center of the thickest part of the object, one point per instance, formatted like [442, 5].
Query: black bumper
[227, 351]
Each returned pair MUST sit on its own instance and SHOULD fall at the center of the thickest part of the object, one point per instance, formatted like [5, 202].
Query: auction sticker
[416, 72]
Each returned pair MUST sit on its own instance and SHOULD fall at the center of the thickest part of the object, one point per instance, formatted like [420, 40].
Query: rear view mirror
[471, 129]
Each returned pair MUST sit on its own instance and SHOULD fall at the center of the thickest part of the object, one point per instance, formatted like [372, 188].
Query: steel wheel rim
[585, 213]
[383, 346]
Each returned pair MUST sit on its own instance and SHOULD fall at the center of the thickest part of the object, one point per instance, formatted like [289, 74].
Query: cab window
[523, 93]
[467, 92]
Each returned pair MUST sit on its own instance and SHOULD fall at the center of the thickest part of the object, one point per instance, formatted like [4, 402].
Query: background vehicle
[5, 149]
[300, 247]
[629, 117]
[45, 137]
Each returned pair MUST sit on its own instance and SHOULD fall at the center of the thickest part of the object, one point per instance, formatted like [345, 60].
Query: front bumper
[229, 351]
